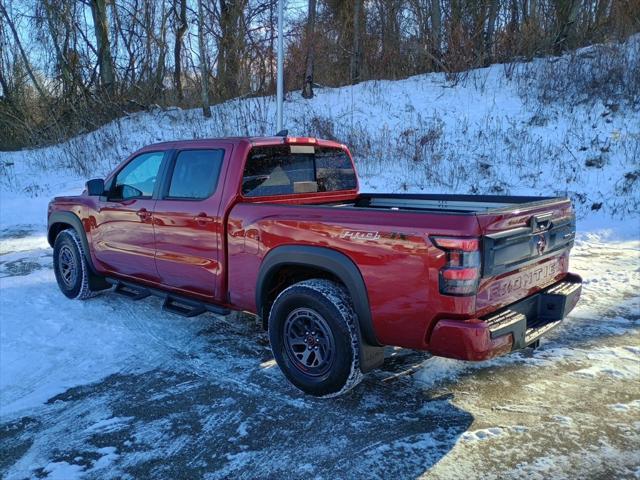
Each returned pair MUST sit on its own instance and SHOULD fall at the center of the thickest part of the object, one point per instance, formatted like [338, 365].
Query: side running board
[132, 291]
[183, 306]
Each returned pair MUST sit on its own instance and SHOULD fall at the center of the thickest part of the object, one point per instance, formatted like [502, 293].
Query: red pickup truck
[277, 227]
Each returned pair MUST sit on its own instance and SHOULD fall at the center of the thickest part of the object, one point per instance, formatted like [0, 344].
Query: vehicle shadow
[225, 410]
[228, 412]
[573, 340]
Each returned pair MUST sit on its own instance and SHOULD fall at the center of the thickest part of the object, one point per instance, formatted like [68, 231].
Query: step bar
[173, 303]
[134, 293]
[534, 316]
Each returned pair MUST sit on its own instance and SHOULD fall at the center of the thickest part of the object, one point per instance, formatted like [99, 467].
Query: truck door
[188, 221]
[123, 239]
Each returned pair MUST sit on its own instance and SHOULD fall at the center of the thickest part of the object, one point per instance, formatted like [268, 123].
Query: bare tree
[101, 28]
[230, 46]
[491, 25]
[355, 49]
[23, 54]
[307, 86]
[180, 11]
[566, 15]
[204, 70]
[436, 27]
[131, 46]
[53, 25]
[162, 48]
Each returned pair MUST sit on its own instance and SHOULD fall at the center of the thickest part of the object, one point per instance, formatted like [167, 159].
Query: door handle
[143, 213]
[541, 222]
[203, 219]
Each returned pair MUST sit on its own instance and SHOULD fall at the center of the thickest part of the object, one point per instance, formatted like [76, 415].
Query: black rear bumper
[532, 317]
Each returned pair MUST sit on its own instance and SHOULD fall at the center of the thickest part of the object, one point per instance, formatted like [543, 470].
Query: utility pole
[280, 74]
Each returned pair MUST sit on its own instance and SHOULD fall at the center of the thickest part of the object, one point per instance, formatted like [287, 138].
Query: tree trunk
[105, 61]
[513, 21]
[230, 46]
[307, 86]
[601, 11]
[456, 14]
[177, 48]
[204, 70]
[162, 52]
[23, 54]
[491, 25]
[533, 12]
[436, 30]
[524, 8]
[390, 39]
[272, 39]
[8, 94]
[478, 12]
[65, 73]
[355, 50]
[566, 14]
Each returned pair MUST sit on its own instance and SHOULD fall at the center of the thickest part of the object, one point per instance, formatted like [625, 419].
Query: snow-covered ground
[110, 388]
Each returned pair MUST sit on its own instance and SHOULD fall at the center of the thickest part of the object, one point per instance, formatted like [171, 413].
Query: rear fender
[338, 265]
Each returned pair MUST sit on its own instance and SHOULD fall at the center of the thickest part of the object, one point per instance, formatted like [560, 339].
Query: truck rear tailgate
[523, 251]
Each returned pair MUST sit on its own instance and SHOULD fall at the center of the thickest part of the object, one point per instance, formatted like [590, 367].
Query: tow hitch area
[515, 327]
[534, 316]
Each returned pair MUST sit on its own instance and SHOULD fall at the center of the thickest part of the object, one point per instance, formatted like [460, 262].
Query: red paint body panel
[218, 259]
[399, 274]
[187, 238]
[468, 340]
[122, 241]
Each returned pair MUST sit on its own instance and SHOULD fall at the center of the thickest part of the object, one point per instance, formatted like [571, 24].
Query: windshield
[284, 170]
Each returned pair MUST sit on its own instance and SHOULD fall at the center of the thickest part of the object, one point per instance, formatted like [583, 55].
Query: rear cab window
[195, 174]
[293, 169]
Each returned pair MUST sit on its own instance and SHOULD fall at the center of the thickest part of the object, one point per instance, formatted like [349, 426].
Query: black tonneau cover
[462, 204]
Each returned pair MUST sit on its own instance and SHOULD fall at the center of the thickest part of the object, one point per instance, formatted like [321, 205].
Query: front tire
[70, 266]
[314, 337]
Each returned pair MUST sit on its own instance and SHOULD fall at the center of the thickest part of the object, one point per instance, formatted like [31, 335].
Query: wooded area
[70, 66]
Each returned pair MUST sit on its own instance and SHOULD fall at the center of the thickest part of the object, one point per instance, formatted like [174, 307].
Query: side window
[195, 174]
[138, 177]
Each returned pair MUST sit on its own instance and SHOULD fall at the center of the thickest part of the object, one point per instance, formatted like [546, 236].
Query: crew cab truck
[277, 227]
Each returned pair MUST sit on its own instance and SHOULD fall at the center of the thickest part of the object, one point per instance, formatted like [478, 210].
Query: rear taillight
[461, 272]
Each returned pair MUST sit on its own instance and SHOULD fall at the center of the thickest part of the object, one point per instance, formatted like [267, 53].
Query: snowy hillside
[507, 129]
[111, 388]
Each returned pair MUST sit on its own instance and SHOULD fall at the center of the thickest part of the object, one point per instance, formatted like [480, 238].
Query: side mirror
[95, 187]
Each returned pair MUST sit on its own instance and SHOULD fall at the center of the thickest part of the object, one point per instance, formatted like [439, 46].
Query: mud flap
[97, 282]
[370, 357]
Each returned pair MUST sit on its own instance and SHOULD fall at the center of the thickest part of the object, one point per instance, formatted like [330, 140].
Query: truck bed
[461, 204]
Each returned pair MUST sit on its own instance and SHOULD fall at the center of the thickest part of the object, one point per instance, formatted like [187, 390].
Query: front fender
[71, 219]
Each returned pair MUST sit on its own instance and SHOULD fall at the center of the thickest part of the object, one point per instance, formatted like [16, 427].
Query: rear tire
[70, 266]
[315, 339]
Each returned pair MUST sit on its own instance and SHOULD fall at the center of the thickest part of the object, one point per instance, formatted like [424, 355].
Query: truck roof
[254, 141]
